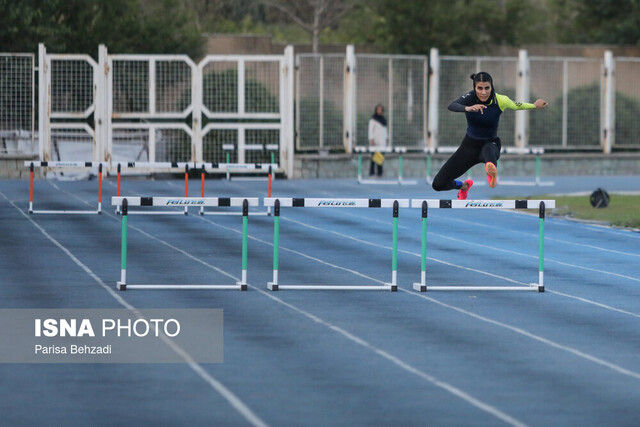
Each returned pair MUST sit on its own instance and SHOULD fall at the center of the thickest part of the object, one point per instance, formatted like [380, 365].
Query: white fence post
[349, 99]
[608, 130]
[287, 143]
[434, 96]
[43, 104]
[522, 95]
[102, 117]
[197, 76]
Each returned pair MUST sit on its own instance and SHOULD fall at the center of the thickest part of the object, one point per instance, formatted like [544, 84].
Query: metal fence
[398, 82]
[17, 98]
[627, 99]
[320, 98]
[167, 108]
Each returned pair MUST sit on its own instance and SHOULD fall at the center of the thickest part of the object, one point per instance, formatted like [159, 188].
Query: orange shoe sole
[492, 174]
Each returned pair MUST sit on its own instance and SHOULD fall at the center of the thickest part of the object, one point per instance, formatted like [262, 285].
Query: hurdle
[267, 149]
[152, 166]
[537, 151]
[425, 204]
[58, 164]
[187, 166]
[399, 181]
[203, 212]
[537, 181]
[126, 202]
[277, 203]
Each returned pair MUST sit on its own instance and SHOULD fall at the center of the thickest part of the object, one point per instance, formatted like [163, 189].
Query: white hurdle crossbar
[425, 204]
[399, 181]
[125, 202]
[202, 167]
[277, 203]
[60, 165]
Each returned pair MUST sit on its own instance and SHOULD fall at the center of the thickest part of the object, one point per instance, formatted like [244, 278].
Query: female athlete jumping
[482, 107]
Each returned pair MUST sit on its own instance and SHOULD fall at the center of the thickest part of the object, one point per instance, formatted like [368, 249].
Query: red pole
[186, 181]
[202, 183]
[269, 192]
[118, 179]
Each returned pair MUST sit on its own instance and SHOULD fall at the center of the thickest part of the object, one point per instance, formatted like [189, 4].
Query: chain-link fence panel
[372, 88]
[397, 82]
[627, 99]
[320, 101]
[573, 88]
[220, 146]
[130, 145]
[262, 86]
[262, 145]
[172, 145]
[17, 109]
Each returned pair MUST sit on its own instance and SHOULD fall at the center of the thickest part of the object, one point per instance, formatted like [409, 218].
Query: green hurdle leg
[541, 249]
[538, 169]
[422, 286]
[245, 227]
[394, 252]
[276, 244]
[122, 284]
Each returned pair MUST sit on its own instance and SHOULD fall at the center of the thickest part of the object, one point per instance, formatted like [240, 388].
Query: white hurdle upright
[399, 181]
[62, 165]
[425, 204]
[125, 202]
[277, 203]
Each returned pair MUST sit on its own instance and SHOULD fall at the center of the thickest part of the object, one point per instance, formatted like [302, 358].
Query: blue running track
[568, 356]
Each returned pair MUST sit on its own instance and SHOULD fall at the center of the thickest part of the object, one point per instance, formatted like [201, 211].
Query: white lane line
[233, 400]
[520, 331]
[468, 243]
[398, 362]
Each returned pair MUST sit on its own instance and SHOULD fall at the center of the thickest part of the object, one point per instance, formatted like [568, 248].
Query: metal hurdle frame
[399, 181]
[277, 203]
[425, 204]
[125, 202]
[508, 150]
[187, 166]
[203, 212]
[59, 164]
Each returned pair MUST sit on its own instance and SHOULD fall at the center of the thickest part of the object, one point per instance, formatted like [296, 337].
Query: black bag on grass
[599, 198]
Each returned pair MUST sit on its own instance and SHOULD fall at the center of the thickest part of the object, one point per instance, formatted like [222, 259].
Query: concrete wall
[12, 166]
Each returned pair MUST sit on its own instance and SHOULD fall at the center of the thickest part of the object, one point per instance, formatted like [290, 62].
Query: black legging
[470, 153]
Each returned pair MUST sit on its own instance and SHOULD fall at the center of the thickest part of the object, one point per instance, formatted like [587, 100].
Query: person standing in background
[378, 138]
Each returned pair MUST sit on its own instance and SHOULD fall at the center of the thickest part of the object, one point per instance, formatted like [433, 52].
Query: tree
[606, 21]
[313, 15]
[79, 26]
[460, 26]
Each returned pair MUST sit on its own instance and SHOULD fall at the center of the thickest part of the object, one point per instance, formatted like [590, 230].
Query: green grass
[623, 211]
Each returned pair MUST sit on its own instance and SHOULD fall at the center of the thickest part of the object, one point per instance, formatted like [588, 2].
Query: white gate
[67, 107]
[166, 108]
[243, 101]
[150, 108]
